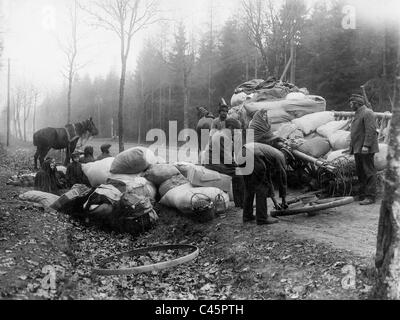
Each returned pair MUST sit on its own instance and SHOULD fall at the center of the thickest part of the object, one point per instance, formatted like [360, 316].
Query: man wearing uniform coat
[364, 145]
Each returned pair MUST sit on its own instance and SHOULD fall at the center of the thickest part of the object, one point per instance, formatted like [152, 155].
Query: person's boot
[367, 201]
[270, 220]
[249, 219]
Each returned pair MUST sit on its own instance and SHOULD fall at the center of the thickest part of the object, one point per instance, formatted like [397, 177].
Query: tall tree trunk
[387, 259]
[121, 106]
[69, 97]
[185, 102]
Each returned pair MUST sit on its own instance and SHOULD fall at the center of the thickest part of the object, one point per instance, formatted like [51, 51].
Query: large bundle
[172, 183]
[238, 98]
[186, 197]
[330, 128]
[43, 198]
[289, 131]
[98, 172]
[159, 173]
[184, 167]
[249, 86]
[316, 147]
[134, 184]
[340, 140]
[280, 111]
[72, 201]
[199, 176]
[311, 122]
[380, 158]
[133, 161]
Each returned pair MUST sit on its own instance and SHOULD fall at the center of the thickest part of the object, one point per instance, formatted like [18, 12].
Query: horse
[205, 121]
[61, 138]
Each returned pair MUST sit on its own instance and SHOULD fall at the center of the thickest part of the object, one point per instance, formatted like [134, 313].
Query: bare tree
[270, 29]
[70, 49]
[387, 259]
[125, 18]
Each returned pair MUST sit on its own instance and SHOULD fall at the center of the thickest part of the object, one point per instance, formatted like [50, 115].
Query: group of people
[270, 162]
[50, 180]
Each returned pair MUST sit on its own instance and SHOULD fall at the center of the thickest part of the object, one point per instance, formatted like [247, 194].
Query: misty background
[194, 53]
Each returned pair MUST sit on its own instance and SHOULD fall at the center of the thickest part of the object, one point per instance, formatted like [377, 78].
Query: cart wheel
[314, 206]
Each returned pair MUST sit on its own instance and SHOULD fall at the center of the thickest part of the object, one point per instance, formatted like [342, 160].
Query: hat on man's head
[233, 123]
[76, 154]
[357, 98]
[105, 147]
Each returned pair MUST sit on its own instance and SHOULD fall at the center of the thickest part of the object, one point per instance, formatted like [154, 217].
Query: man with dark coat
[267, 160]
[105, 152]
[364, 145]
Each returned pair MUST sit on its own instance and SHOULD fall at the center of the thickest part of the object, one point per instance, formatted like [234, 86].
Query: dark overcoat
[364, 131]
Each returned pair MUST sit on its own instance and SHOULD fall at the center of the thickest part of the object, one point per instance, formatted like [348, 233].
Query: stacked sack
[177, 192]
[321, 136]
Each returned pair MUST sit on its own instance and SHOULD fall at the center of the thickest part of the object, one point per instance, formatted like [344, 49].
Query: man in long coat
[364, 145]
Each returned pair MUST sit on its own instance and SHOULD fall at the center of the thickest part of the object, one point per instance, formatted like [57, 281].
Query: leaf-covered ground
[236, 261]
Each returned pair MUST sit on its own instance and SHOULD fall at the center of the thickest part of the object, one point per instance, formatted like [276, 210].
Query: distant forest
[176, 74]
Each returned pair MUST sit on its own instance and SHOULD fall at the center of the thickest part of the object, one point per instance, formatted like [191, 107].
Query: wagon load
[340, 140]
[330, 128]
[380, 158]
[315, 147]
[311, 122]
[284, 111]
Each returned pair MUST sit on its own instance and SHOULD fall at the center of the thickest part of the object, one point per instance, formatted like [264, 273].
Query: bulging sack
[43, 198]
[316, 147]
[340, 140]
[173, 182]
[181, 197]
[330, 128]
[159, 173]
[133, 161]
[311, 122]
[98, 172]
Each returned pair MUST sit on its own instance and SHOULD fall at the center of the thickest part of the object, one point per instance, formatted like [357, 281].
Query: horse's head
[90, 127]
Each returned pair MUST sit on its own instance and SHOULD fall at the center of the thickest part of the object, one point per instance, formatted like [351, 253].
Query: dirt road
[299, 258]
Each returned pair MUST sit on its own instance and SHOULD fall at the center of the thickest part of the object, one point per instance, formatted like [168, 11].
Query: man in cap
[364, 145]
[105, 152]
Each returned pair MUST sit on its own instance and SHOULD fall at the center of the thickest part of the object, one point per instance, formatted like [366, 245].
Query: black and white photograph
[175, 151]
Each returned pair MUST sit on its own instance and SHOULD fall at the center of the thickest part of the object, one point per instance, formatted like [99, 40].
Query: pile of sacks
[125, 189]
[319, 135]
[284, 102]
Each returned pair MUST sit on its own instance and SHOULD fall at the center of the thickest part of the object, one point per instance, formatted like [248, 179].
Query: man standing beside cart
[364, 145]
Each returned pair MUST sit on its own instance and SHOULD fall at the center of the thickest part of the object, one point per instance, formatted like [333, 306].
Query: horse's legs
[67, 156]
[36, 159]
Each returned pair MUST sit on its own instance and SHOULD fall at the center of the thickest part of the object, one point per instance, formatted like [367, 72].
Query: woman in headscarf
[46, 179]
[87, 155]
